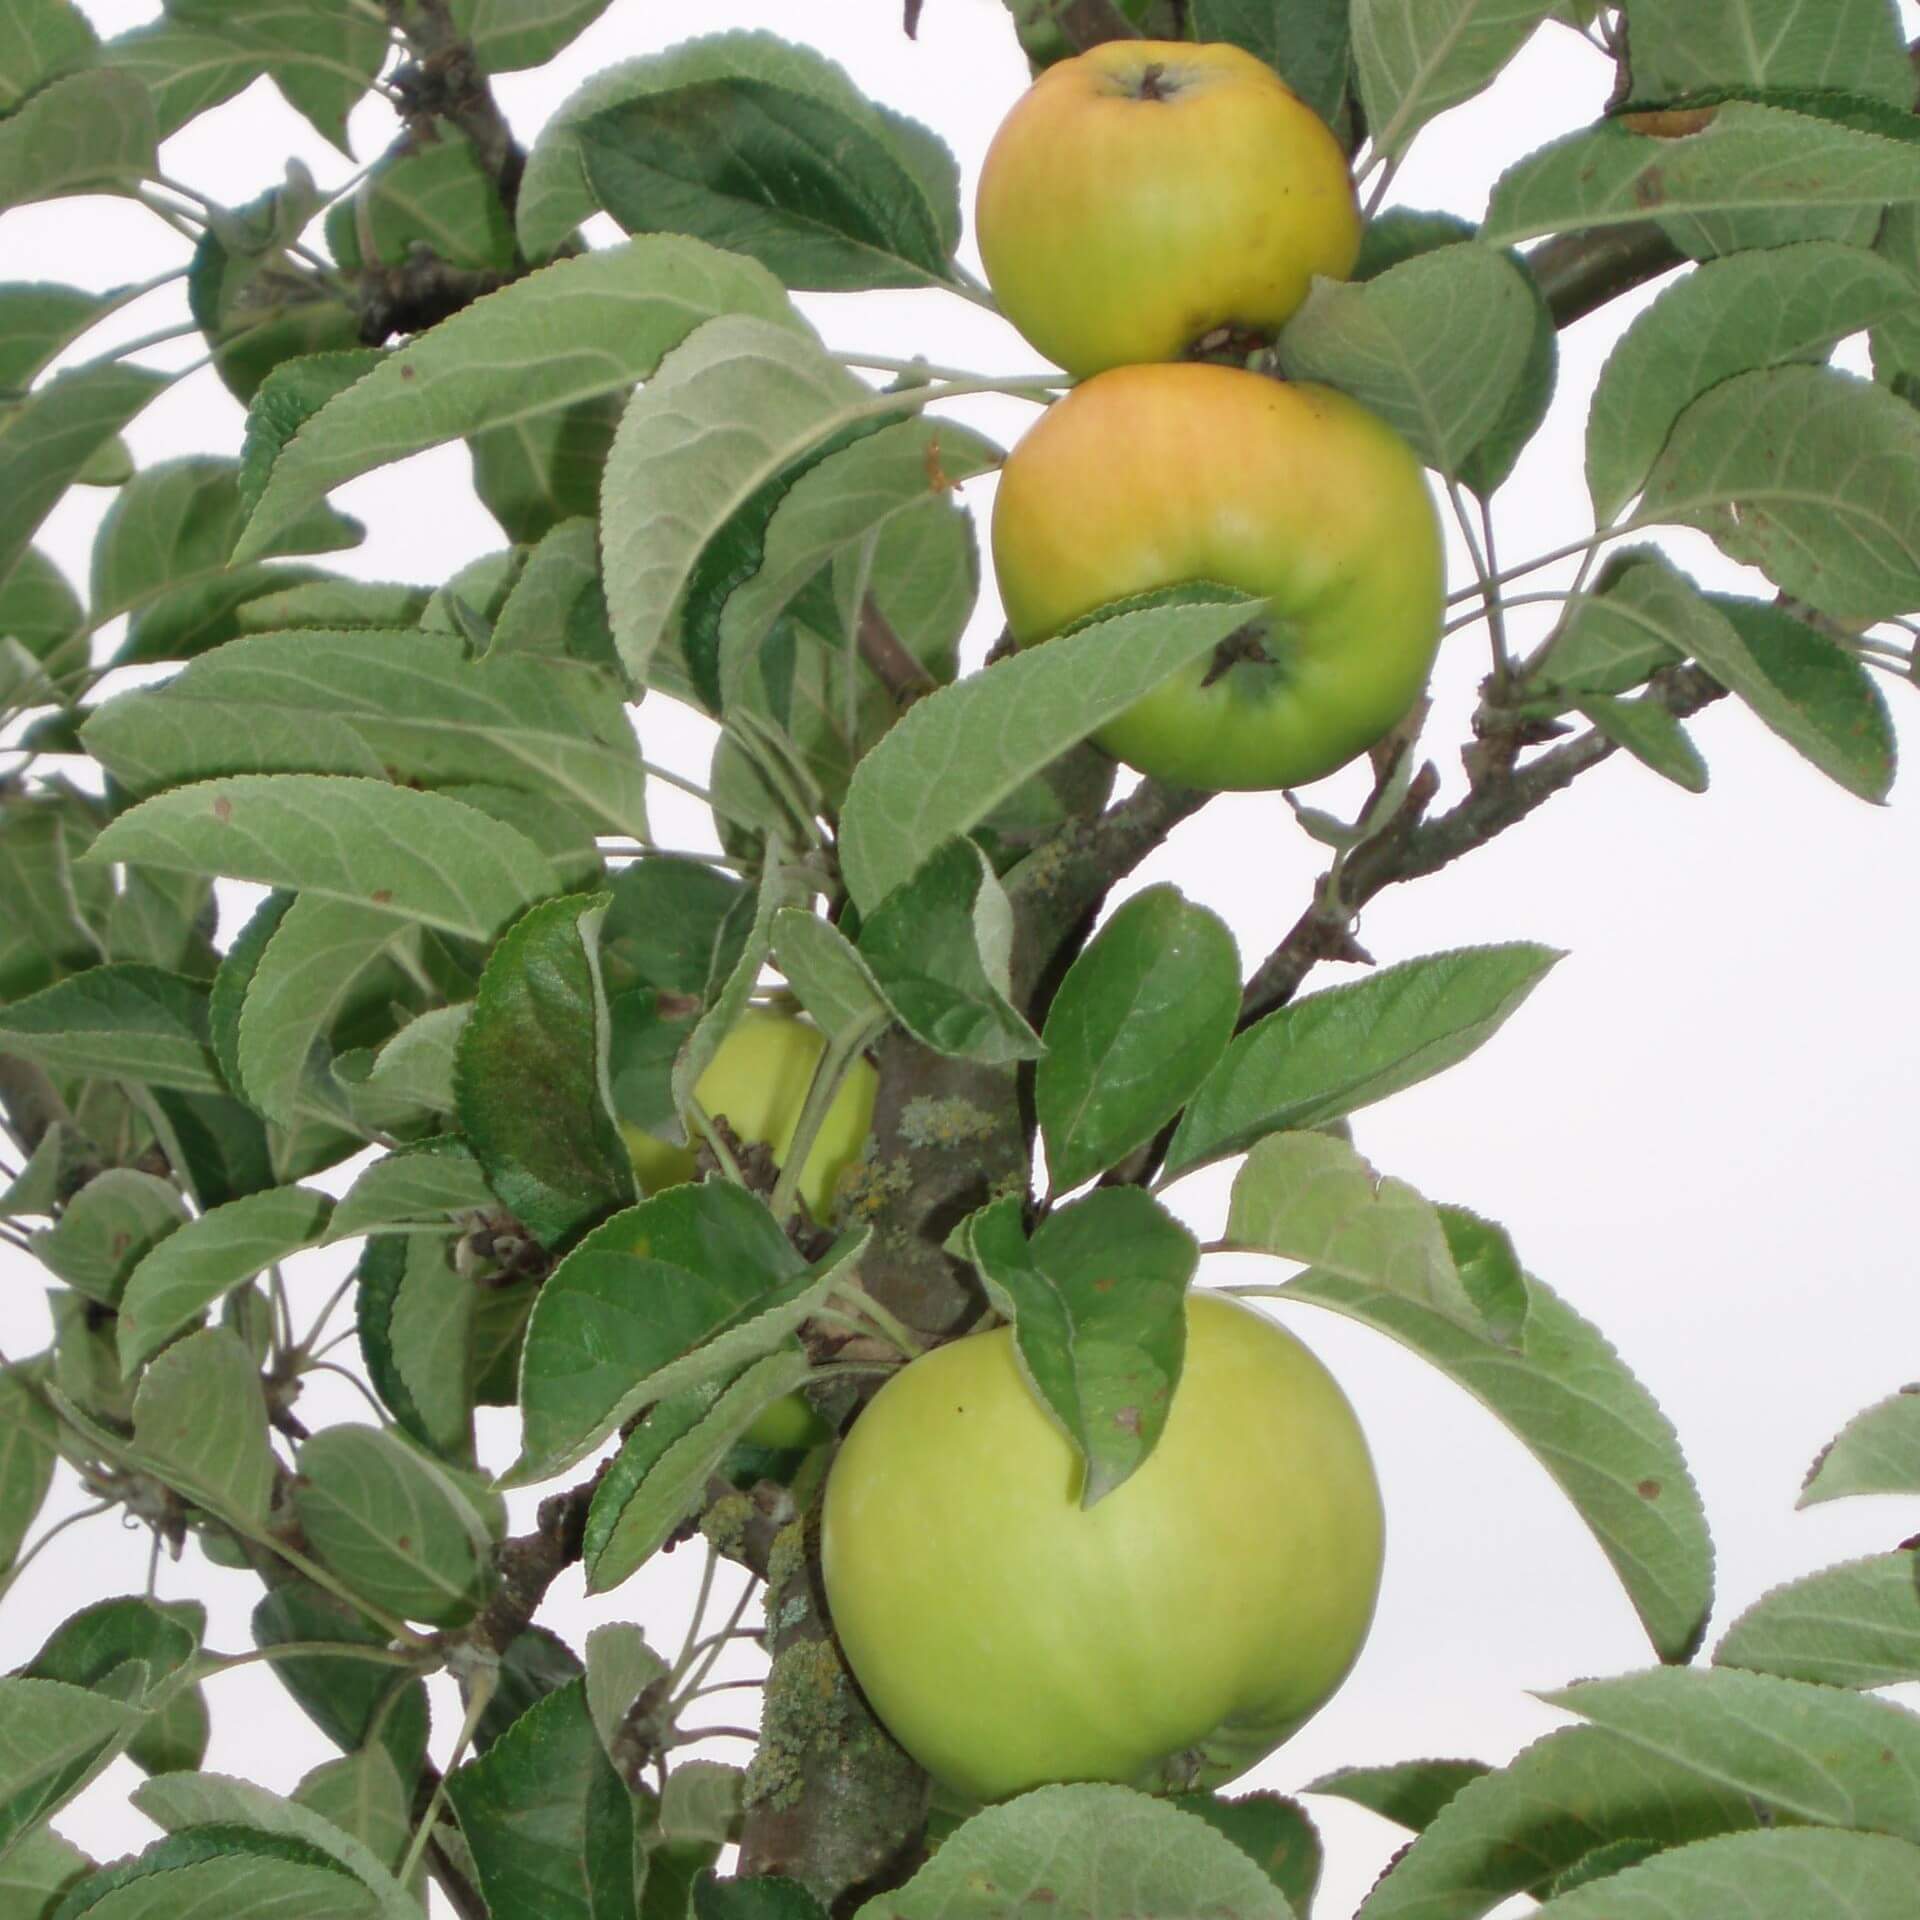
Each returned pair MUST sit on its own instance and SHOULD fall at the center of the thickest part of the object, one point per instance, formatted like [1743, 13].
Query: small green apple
[758, 1084]
[1174, 1634]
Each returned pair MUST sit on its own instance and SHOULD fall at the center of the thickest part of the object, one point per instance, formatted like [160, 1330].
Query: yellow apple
[1150, 477]
[1148, 192]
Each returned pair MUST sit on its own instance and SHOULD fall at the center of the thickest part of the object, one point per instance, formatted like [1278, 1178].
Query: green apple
[1150, 477]
[1174, 1634]
[1149, 192]
[758, 1084]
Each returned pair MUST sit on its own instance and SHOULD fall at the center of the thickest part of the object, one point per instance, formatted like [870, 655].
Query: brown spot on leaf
[1670, 123]
[1650, 190]
[382, 896]
[222, 809]
[1648, 1489]
[406, 371]
[1127, 1419]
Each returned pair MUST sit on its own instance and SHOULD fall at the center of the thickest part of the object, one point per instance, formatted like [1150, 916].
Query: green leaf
[818, 193]
[531, 1079]
[400, 1532]
[39, 41]
[210, 1256]
[1517, 1830]
[672, 926]
[620, 1667]
[322, 54]
[558, 607]
[1274, 1832]
[122, 1022]
[174, 1740]
[1808, 474]
[222, 1870]
[417, 856]
[549, 1823]
[43, 613]
[684, 1287]
[536, 473]
[1638, 619]
[1810, 691]
[46, 442]
[763, 1896]
[37, 1870]
[39, 320]
[438, 197]
[826, 970]
[1569, 1398]
[48, 932]
[659, 1478]
[961, 752]
[420, 1189]
[29, 1437]
[712, 436]
[1751, 310]
[53, 1739]
[200, 1421]
[1410, 1793]
[1417, 58]
[322, 963]
[1337, 1051]
[92, 132]
[330, 604]
[1652, 734]
[1310, 1197]
[1490, 465]
[847, 497]
[536, 1663]
[91, 1648]
[185, 72]
[1138, 1023]
[162, 552]
[1855, 1625]
[1819, 1754]
[1769, 1876]
[508, 36]
[107, 1228]
[1308, 45]
[406, 706]
[1855, 45]
[285, 400]
[345, 1698]
[556, 194]
[1098, 1304]
[940, 947]
[1878, 1452]
[1079, 1844]
[756, 144]
[493, 363]
[361, 1794]
[189, 1802]
[1750, 158]
[1436, 346]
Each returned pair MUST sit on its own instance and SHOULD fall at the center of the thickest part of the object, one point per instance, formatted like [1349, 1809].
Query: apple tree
[801, 1205]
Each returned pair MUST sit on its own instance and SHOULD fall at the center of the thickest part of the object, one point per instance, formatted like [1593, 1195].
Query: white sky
[1699, 1130]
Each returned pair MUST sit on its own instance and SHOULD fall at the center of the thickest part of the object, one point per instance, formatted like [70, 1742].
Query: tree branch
[1411, 847]
[889, 659]
[1057, 887]
[528, 1564]
[1579, 273]
[444, 81]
